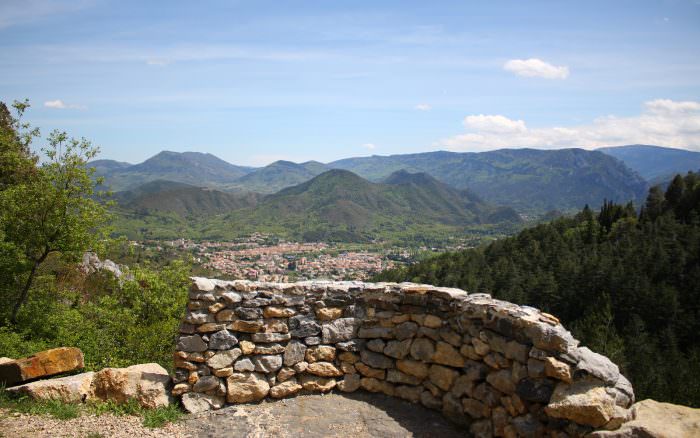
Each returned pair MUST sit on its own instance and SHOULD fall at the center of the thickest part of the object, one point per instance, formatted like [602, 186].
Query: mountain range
[654, 163]
[359, 197]
[525, 179]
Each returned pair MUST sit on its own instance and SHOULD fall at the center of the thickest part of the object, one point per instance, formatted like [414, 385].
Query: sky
[257, 81]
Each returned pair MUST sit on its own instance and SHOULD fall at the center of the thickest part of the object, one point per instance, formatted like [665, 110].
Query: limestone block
[376, 360]
[246, 387]
[502, 381]
[324, 369]
[240, 325]
[446, 354]
[285, 389]
[557, 369]
[270, 337]
[303, 326]
[317, 384]
[369, 371]
[374, 385]
[267, 363]
[206, 383]
[398, 349]
[328, 313]
[649, 418]
[222, 340]
[413, 367]
[71, 389]
[247, 347]
[42, 364]
[278, 312]
[422, 349]
[223, 359]
[350, 383]
[147, 383]
[244, 364]
[376, 345]
[405, 330]
[320, 353]
[294, 353]
[376, 332]
[442, 377]
[584, 402]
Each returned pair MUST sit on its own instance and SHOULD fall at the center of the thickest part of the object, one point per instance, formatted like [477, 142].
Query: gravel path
[332, 415]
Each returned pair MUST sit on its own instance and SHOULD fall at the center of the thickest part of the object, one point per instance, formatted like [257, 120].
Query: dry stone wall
[497, 368]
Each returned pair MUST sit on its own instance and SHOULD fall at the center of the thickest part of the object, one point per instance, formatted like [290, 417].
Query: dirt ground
[331, 415]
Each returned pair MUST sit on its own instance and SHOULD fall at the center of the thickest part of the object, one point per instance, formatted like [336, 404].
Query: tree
[55, 210]
[17, 163]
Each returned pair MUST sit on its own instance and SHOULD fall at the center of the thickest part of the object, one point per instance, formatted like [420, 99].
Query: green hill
[655, 163]
[278, 175]
[183, 199]
[627, 284]
[339, 205]
[193, 168]
[526, 179]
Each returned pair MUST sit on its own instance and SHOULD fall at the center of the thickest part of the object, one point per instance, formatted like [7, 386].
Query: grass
[152, 418]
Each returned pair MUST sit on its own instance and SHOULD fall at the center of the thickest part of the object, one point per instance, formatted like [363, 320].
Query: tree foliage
[627, 284]
[50, 208]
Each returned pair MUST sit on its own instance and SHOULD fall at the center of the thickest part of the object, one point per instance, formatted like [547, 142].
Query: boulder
[43, 364]
[147, 383]
[584, 402]
[71, 389]
[650, 418]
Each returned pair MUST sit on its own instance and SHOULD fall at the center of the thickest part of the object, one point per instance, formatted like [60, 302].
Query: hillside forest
[627, 284]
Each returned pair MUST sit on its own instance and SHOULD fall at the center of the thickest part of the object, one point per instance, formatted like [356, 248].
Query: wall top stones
[498, 368]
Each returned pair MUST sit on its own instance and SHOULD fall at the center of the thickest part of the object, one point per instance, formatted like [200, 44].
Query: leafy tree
[52, 210]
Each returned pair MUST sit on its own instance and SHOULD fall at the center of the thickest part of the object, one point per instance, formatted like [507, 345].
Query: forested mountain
[526, 179]
[529, 180]
[183, 199]
[627, 284]
[278, 175]
[195, 168]
[655, 163]
[340, 203]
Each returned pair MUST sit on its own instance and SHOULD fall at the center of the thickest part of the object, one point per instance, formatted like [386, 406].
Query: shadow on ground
[354, 415]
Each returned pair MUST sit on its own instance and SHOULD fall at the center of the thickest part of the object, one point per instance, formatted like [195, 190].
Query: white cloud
[423, 107]
[495, 124]
[662, 122]
[59, 104]
[370, 146]
[536, 68]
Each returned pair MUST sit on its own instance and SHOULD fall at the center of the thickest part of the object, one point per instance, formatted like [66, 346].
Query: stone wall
[497, 368]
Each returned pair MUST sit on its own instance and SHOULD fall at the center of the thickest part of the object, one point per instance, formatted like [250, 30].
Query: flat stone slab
[352, 415]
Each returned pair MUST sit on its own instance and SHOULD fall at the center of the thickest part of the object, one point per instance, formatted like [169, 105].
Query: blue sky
[256, 81]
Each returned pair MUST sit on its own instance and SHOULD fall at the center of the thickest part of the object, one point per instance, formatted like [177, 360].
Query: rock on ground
[42, 364]
[71, 389]
[657, 420]
[148, 383]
